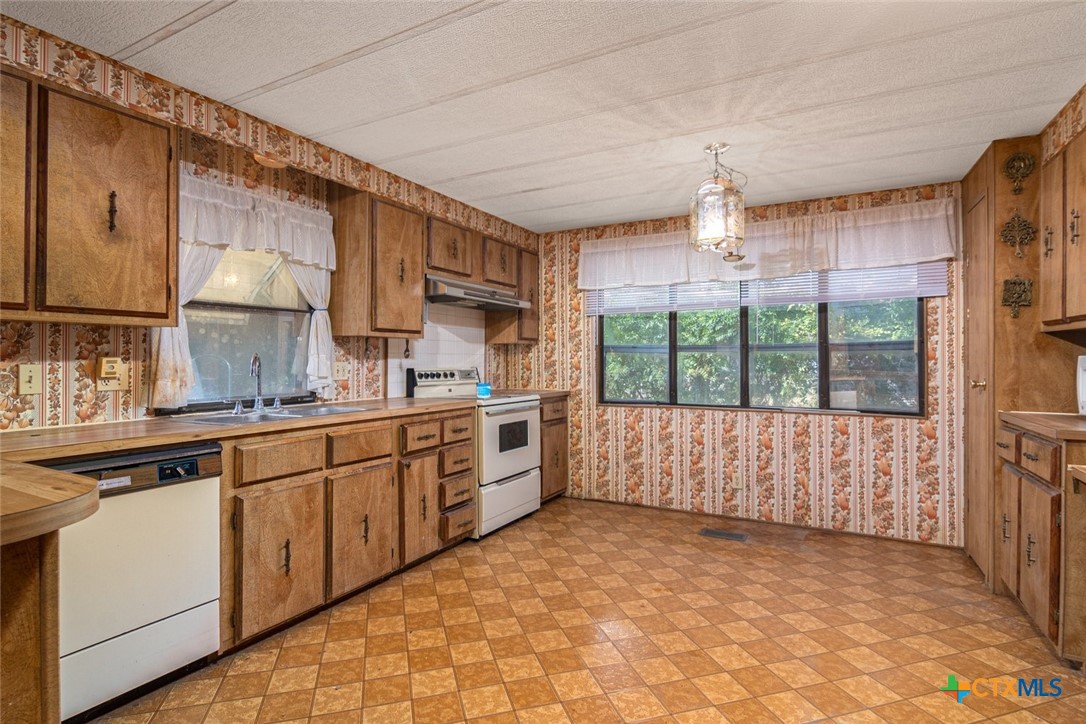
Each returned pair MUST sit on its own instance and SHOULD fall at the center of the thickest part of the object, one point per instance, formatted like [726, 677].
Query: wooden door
[364, 522]
[979, 451]
[1075, 228]
[421, 506]
[16, 189]
[1039, 554]
[554, 458]
[529, 289]
[499, 263]
[106, 197]
[1007, 524]
[1051, 284]
[450, 250]
[280, 540]
[397, 269]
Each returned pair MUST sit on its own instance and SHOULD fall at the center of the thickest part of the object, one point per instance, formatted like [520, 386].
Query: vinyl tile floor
[594, 612]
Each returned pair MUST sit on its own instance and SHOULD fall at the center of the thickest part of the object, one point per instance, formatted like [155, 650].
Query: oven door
[508, 440]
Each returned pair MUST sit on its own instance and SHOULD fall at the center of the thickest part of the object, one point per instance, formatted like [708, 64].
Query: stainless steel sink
[273, 415]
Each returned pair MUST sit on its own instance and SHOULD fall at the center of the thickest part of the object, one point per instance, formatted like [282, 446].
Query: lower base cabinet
[419, 488]
[1039, 554]
[364, 516]
[554, 456]
[281, 555]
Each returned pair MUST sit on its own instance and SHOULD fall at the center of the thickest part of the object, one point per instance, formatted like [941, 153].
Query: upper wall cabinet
[451, 249]
[499, 263]
[101, 196]
[1063, 250]
[521, 326]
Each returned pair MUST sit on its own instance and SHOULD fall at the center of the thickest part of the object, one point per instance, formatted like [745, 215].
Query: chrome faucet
[254, 371]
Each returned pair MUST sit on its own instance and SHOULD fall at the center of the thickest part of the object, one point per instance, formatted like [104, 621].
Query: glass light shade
[717, 216]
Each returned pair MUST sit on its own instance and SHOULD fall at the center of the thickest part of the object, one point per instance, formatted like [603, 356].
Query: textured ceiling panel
[107, 27]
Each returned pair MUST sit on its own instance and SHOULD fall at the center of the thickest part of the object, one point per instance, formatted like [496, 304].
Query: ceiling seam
[376, 46]
[679, 29]
[171, 29]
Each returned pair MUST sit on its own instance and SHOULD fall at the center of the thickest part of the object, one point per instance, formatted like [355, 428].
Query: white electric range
[506, 444]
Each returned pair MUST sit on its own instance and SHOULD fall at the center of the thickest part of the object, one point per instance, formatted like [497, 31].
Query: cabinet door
[499, 263]
[1039, 554]
[450, 250]
[1010, 482]
[397, 269]
[554, 456]
[107, 228]
[421, 506]
[364, 527]
[1052, 241]
[281, 560]
[16, 164]
[529, 289]
[1075, 211]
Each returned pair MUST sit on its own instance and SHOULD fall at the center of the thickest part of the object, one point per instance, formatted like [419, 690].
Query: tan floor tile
[397, 713]
[636, 704]
[680, 696]
[748, 711]
[433, 682]
[439, 709]
[789, 706]
[190, 693]
[332, 699]
[438, 657]
[548, 714]
[484, 701]
[732, 656]
[796, 673]
[243, 686]
[426, 638]
[181, 715]
[554, 662]
[387, 690]
[599, 654]
[393, 643]
[615, 677]
[471, 652]
[830, 699]
[710, 715]
[132, 718]
[520, 667]
[341, 672]
[594, 710]
[530, 693]
[482, 673]
[575, 685]
[759, 681]
[868, 691]
[386, 665]
[656, 670]
[721, 688]
[294, 679]
[286, 706]
[832, 666]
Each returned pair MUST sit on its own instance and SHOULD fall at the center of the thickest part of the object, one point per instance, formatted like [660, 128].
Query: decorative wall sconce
[1018, 232]
[1017, 167]
[1017, 292]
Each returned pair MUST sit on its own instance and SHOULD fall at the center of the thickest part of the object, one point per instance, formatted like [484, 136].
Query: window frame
[824, 348]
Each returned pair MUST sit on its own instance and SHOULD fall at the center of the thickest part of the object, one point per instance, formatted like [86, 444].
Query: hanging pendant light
[717, 210]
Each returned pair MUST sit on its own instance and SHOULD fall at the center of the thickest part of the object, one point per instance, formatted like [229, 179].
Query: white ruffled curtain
[865, 239]
[212, 218]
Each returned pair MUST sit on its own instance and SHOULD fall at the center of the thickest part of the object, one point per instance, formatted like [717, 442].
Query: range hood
[440, 290]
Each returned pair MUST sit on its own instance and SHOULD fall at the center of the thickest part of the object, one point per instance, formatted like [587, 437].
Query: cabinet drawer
[354, 446]
[554, 410]
[456, 429]
[455, 492]
[1007, 444]
[419, 436]
[258, 461]
[1042, 458]
[457, 523]
[456, 459]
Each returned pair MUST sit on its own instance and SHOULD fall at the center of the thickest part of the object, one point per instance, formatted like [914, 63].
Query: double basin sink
[272, 414]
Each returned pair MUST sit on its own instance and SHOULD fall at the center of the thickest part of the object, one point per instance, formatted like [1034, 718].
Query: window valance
[864, 239]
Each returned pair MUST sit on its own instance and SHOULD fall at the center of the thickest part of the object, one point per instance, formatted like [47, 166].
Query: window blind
[927, 279]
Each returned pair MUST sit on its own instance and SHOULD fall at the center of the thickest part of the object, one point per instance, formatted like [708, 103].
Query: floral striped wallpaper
[895, 477]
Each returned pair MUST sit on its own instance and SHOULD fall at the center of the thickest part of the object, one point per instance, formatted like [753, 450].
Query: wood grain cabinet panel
[1041, 457]
[106, 212]
[554, 410]
[528, 321]
[456, 524]
[354, 446]
[419, 436]
[554, 454]
[278, 458]
[1010, 483]
[1075, 228]
[398, 276]
[456, 492]
[1053, 252]
[456, 459]
[456, 429]
[364, 527]
[281, 554]
[419, 491]
[16, 165]
[450, 249]
[1039, 554]
[499, 263]
[1006, 443]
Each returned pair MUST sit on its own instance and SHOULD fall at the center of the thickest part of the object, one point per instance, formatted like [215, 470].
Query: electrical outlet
[342, 371]
[29, 379]
[112, 375]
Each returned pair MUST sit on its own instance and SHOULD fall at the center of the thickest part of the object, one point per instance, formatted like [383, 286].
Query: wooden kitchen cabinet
[1062, 289]
[363, 514]
[104, 207]
[398, 276]
[1011, 484]
[17, 150]
[450, 249]
[521, 326]
[420, 492]
[1039, 554]
[554, 447]
[281, 556]
[499, 263]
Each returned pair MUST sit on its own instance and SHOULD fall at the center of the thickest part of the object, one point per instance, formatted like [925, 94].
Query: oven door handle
[515, 478]
[510, 410]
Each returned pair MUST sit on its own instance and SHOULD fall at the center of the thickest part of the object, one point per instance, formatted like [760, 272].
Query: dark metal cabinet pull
[1073, 226]
[1030, 456]
[402, 270]
[454, 251]
[429, 436]
[112, 211]
[1048, 241]
[461, 461]
[458, 430]
[503, 260]
[287, 556]
[366, 529]
[465, 524]
[462, 493]
[1002, 445]
[424, 506]
[1003, 531]
[1030, 560]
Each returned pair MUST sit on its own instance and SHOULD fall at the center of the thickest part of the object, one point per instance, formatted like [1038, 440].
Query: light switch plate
[29, 379]
[342, 371]
[108, 368]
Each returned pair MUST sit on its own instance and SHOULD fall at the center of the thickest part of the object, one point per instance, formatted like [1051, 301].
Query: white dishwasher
[139, 579]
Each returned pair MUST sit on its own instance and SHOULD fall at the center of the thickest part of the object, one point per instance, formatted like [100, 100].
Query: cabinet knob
[975, 384]
[407, 463]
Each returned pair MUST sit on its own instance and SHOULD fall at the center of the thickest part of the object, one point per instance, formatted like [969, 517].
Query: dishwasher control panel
[145, 469]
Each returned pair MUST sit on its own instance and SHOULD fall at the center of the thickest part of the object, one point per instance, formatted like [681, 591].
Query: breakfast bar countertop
[1056, 425]
[35, 500]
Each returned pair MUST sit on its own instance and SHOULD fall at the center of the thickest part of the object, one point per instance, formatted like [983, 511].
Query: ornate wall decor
[1017, 292]
[1018, 232]
[1017, 167]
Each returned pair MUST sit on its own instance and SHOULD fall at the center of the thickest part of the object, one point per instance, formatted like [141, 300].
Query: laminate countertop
[45, 444]
[35, 500]
[1055, 425]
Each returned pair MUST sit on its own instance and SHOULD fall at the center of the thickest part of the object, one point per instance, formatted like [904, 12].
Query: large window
[250, 305]
[853, 356]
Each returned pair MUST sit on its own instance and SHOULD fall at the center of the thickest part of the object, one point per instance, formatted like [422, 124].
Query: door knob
[978, 383]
